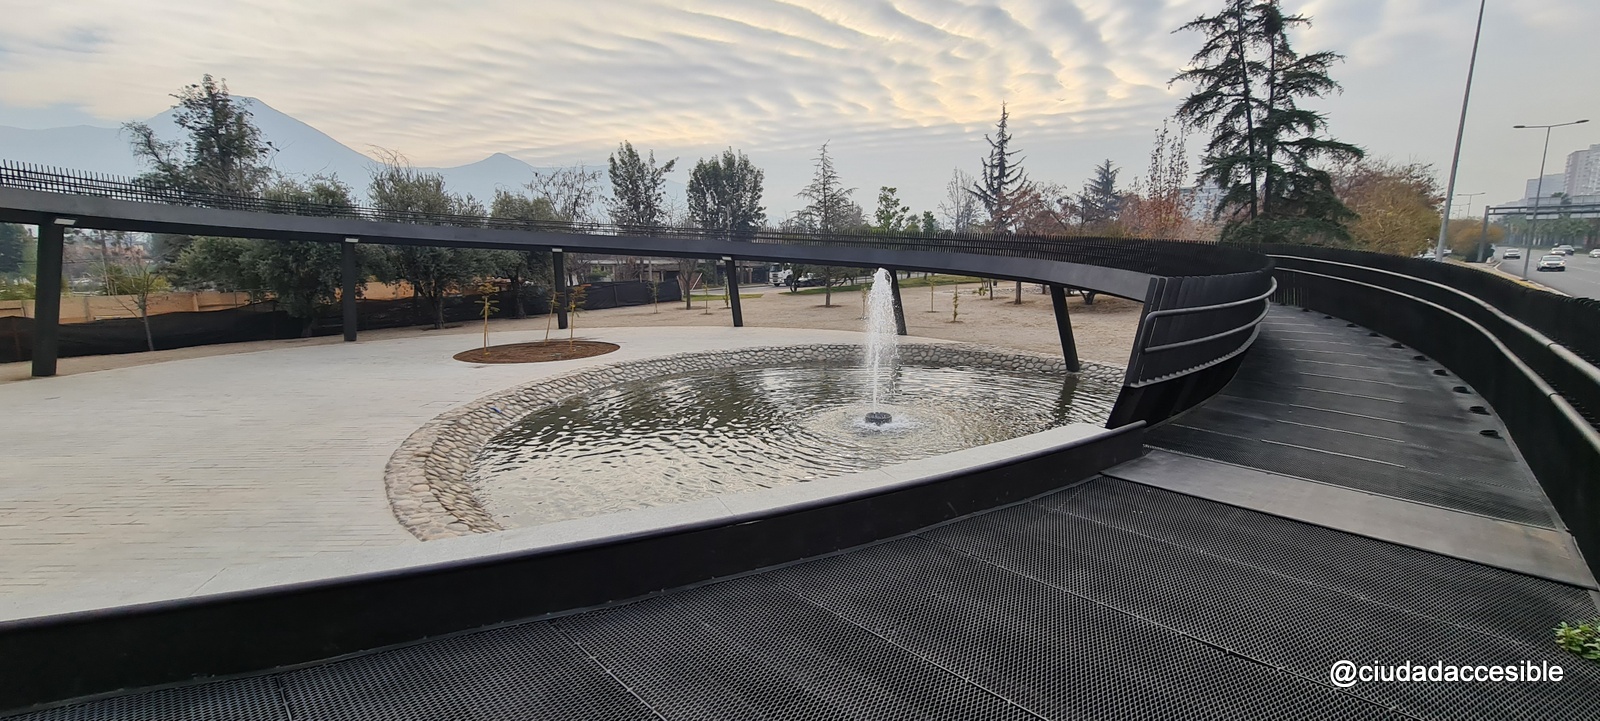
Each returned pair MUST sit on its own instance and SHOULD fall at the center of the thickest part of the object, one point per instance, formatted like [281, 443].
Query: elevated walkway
[1108, 599]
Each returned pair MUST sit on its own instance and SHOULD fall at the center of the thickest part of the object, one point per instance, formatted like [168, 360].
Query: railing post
[347, 294]
[899, 310]
[558, 274]
[732, 272]
[1069, 346]
[47, 296]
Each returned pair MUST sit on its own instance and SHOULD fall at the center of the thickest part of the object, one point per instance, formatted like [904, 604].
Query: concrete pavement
[142, 483]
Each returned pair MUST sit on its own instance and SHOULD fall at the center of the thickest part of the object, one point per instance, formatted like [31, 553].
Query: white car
[1512, 254]
[1553, 262]
[1562, 250]
[1594, 253]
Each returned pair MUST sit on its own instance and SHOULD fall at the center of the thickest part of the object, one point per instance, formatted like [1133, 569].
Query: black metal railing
[1201, 308]
[1558, 444]
[1572, 322]
[1156, 257]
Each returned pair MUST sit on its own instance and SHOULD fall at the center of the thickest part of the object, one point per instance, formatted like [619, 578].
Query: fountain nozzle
[878, 418]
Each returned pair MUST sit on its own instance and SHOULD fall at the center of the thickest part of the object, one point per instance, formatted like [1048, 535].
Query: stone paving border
[427, 477]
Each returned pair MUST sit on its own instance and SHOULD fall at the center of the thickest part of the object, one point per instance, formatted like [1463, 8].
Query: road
[1581, 278]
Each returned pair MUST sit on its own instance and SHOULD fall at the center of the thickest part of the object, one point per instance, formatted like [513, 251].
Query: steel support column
[558, 273]
[1069, 347]
[899, 310]
[732, 272]
[347, 294]
[47, 299]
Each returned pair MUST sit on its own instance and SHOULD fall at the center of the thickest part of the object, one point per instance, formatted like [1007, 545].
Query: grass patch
[724, 296]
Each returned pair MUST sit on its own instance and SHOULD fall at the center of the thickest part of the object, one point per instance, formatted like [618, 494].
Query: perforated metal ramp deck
[1109, 600]
[1321, 399]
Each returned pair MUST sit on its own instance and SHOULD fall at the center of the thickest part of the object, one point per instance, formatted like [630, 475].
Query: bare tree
[576, 195]
[959, 209]
[132, 279]
[1160, 206]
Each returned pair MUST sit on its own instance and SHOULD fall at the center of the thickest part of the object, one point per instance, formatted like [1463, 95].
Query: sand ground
[1104, 331]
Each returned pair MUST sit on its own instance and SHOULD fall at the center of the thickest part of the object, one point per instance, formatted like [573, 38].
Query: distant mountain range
[302, 151]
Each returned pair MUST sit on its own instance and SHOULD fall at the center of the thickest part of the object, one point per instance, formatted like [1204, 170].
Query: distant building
[1553, 183]
[1583, 172]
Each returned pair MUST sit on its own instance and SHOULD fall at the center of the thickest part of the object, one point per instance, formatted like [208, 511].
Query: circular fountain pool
[685, 436]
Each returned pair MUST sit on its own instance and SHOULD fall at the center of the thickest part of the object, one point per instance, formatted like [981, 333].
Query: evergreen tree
[725, 196]
[223, 152]
[828, 203]
[1003, 188]
[1099, 203]
[892, 217]
[829, 210]
[638, 189]
[13, 242]
[1265, 149]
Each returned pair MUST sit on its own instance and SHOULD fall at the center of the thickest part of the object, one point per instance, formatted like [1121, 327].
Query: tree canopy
[1266, 152]
[1003, 188]
[638, 188]
[725, 196]
[1100, 202]
[433, 272]
[222, 151]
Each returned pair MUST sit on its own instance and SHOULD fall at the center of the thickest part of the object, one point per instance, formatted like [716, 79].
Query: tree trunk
[1018, 301]
[144, 315]
[305, 327]
[438, 310]
[1249, 110]
[517, 309]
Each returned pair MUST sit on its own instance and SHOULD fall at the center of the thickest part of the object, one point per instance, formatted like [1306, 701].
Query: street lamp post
[1478, 257]
[1533, 225]
[1461, 129]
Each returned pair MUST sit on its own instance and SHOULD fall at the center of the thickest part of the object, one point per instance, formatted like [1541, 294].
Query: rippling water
[689, 436]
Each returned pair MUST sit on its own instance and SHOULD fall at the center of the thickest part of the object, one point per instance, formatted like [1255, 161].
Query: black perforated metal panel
[529, 671]
[252, 699]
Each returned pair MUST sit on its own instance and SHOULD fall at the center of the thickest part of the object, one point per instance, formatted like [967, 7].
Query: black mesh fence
[262, 321]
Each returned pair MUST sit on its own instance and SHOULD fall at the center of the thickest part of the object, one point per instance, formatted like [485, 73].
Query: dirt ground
[1104, 331]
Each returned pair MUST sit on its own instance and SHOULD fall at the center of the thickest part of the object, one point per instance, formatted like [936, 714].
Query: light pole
[1461, 128]
[1533, 225]
[1478, 257]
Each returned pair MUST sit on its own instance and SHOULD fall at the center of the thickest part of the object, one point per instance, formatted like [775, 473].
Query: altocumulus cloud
[912, 83]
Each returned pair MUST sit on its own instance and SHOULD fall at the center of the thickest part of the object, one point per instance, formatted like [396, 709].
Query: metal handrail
[1214, 336]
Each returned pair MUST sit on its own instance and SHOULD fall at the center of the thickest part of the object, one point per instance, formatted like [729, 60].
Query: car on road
[1594, 253]
[1562, 250]
[1553, 262]
[1512, 254]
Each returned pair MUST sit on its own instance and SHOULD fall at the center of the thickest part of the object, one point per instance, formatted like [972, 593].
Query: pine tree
[829, 210]
[1003, 186]
[1264, 149]
[1100, 202]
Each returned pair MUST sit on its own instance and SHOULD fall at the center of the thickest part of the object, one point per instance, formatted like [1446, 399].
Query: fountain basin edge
[428, 478]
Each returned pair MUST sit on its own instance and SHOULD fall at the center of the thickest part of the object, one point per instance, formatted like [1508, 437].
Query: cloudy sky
[903, 89]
